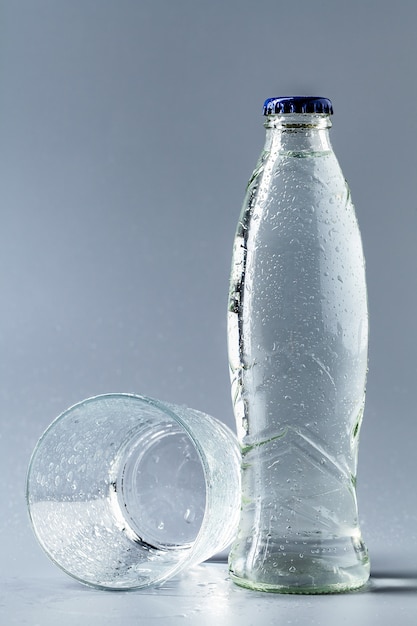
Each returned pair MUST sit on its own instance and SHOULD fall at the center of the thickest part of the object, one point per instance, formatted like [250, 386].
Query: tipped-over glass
[125, 491]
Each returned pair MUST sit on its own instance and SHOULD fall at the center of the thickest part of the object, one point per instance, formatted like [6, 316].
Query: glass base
[330, 567]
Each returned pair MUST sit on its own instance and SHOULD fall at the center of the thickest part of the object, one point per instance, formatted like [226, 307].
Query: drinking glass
[124, 491]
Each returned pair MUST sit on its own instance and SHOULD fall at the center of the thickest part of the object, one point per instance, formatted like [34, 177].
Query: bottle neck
[298, 132]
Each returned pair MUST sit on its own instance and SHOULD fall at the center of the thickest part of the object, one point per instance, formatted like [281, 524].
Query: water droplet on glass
[189, 515]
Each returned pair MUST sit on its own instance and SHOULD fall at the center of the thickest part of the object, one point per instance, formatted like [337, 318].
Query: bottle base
[294, 589]
[320, 570]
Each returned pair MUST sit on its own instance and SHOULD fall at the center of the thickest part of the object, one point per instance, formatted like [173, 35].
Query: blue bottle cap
[298, 104]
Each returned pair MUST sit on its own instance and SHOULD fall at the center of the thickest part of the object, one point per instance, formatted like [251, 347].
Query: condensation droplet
[189, 515]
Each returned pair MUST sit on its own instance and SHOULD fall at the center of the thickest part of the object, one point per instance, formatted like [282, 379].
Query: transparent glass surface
[124, 491]
[298, 331]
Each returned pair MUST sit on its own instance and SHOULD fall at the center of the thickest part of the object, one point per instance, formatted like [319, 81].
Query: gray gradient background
[128, 130]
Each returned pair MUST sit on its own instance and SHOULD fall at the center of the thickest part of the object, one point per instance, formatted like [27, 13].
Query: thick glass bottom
[330, 567]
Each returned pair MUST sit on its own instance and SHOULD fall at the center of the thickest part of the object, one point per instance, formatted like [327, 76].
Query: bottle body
[297, 335]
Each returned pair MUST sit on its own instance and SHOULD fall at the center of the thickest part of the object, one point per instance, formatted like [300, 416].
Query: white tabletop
[204, 596]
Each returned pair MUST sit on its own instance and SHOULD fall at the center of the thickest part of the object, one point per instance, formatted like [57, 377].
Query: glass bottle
[297, 336]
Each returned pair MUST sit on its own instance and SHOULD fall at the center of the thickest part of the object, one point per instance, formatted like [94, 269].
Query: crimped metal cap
[298, 104]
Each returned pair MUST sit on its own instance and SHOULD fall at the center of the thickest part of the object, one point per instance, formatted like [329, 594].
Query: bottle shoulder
[284, 180]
